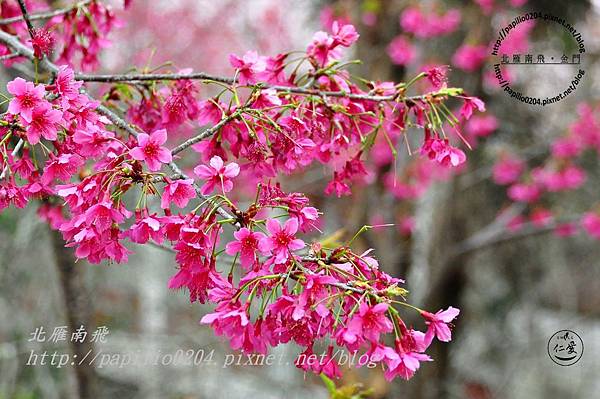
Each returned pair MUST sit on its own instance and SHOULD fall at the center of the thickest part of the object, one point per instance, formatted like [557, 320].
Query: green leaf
[124, 90]
[329, 384]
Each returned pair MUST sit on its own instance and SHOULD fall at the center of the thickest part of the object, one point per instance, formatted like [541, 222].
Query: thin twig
[205, 134]
[26, 18]
[498, 235]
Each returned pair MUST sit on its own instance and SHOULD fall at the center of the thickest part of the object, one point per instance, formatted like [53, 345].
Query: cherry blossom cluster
[83, 34]
[104, 180]
[333, 296]
[277, 125]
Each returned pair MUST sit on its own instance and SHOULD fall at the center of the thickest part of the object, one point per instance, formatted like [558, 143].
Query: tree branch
[45, 15]
[9, 56]
[142, 77]
[205, 134]
[26, 17]
[496, 233]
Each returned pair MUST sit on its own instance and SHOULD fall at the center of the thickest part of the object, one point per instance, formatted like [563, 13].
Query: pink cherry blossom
[11, 194]
[406, 225]
[42, 42]
[250, 67]
[343, 34]
[470, 104]
[569, 178]
[442, 152]
[567, 147]
[522, 192]
[401, 51]
[368, 323]
[481, 126]
[150, 150]
[53, 215]
[230, 321]
[322, 48]
[565, 229]
[94, 185]
[246, 245]
[438, 324]
[518, 40]
[209, 112]
[469, 57]
[217, 175]
[43, 123]
[591, 224]
[507, 170]
[27, 97]
[410, 350]
[65, 84]
[282, 240]
[437, 76]
[181, 104]
[384, 354]
[179, 191]
[92, 140]
[541, 217]
[144, 229]
[61, 167]
[426, 25]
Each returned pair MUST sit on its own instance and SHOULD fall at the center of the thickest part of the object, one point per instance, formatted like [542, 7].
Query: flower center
[369, 322]
[282, 239]
[249, 244]
[27, 101]
[151, 150]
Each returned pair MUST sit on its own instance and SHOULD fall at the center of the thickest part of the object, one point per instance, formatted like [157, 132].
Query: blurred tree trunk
[445, 278]
[78, 313]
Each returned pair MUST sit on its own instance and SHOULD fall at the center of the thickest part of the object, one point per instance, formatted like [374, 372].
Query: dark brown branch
[26, 18]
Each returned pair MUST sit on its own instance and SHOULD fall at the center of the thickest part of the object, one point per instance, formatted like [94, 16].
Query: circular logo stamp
[552, 67]
[565, 347]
